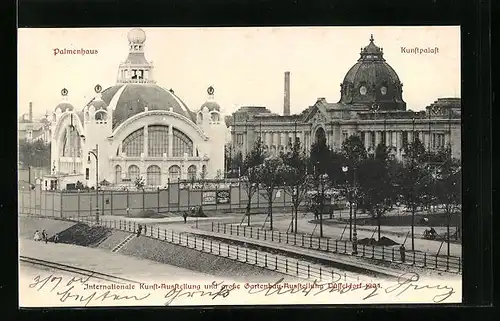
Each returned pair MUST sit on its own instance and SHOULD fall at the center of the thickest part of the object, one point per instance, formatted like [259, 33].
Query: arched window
[157, 140]
[118, 174]
[215, 117]
[133, 172]
[174, 172]
[101, 115]
[71, 143]
[133, 145]
[182, 144]
[153, 176]
[204, 171]
[191, 172]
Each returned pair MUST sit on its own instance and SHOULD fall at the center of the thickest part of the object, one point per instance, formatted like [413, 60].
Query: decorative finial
[64, 92]
[371, 38]
[210, 90]
[171, 90]
[97, 88]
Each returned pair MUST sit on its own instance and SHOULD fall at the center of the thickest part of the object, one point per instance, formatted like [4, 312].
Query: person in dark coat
[139, 230]
[185, 217]
[44, 236]
[402, 252]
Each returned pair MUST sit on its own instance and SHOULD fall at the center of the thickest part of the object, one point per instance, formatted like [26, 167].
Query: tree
[250, 176]
[375, 187]
[448, 189]
[271, 174]
[382, 153]
[139, 182]
[34, 154]
[319, 157]
[297, 179]
[415, 151]
[353, 150]
[237, 161]
[79, 186]
[412, 181]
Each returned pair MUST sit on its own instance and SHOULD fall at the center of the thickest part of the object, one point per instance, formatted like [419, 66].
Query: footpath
[341, 262]
[104, 261]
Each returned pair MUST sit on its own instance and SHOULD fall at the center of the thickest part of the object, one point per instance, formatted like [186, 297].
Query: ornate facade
[371, 105]
[137, 129]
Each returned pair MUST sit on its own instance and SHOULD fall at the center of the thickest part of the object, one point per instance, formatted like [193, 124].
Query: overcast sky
[245, 65]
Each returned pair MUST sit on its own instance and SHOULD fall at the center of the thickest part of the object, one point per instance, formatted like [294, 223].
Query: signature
[223, 291]
[406, 282]
[66, 290]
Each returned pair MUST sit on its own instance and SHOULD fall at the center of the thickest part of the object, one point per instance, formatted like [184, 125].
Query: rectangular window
[290, 141]
[87, 173]
[373, 143]
[239, 139]
[345, 135]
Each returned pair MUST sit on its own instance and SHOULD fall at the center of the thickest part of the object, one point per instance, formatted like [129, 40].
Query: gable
[318, 111]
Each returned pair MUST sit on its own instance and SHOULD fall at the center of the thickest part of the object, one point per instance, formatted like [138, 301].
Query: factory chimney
[31, 112]
[286, 106]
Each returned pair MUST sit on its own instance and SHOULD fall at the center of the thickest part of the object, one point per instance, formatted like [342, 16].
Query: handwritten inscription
[409, 284]
[67, 290]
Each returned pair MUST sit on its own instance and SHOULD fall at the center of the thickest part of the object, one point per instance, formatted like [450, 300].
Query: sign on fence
[223, 197]
[209, 197]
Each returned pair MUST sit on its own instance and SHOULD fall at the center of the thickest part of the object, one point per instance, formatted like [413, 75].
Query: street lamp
[352, 194]
[95, 152]
[322, 182]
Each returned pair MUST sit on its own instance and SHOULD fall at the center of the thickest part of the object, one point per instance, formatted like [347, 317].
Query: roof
[136, 58]
[133, 98]
[211, 105]
[64, 106]
[372, 80]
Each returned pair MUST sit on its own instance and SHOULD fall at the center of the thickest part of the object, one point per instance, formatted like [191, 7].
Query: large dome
[131, 99]
[372, 82]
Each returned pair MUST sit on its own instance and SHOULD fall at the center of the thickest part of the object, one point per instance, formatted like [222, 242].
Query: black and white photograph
[237, 166]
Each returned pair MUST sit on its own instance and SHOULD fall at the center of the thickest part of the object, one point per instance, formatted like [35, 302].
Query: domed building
[137, 129]
[371, 105]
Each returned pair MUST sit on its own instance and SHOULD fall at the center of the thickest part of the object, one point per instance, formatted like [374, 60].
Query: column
[378, 138]
[367, 139]
[399, 140]
[410, 137]
[421, 137]
[393, 138]
[146, 141]
[170, 141]
[269, 139]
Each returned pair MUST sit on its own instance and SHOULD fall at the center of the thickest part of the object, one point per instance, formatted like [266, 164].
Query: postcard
[239, 166]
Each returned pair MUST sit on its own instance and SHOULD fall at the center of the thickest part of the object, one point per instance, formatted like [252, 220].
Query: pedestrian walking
[36, 237]
[44, 236]
[185, 217]
[139, 230]
[402, 252]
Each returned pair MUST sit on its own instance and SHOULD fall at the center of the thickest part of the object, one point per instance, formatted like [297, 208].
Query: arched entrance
[320, 136]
